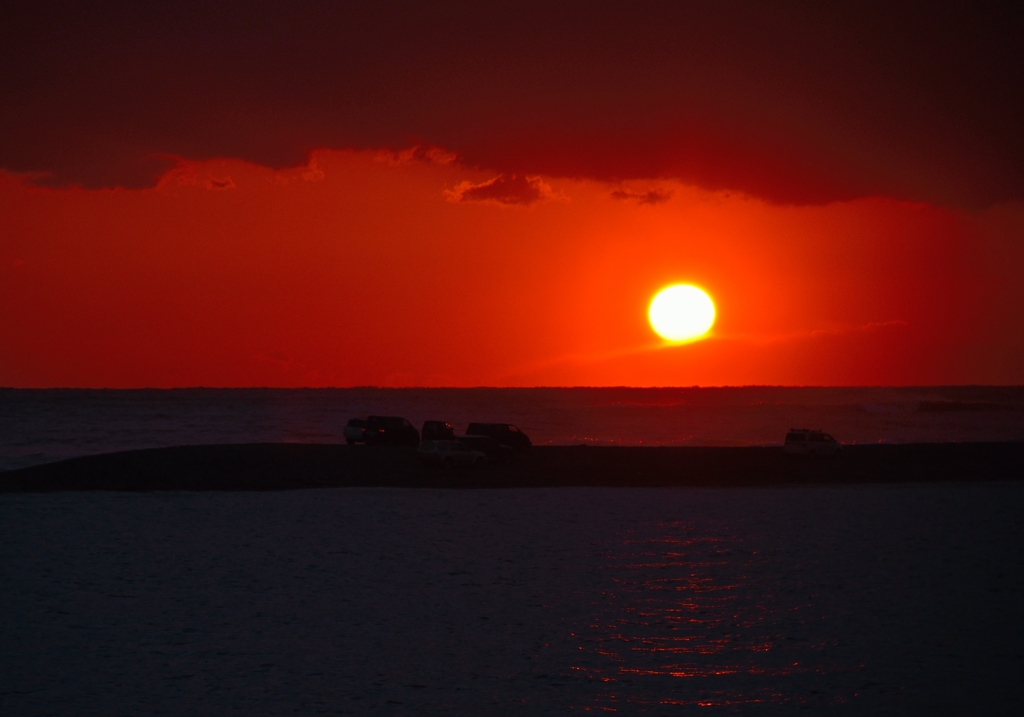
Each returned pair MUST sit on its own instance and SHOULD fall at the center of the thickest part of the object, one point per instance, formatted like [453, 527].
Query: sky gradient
[302, 195]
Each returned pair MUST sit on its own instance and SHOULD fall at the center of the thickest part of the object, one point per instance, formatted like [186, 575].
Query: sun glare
[681, 313]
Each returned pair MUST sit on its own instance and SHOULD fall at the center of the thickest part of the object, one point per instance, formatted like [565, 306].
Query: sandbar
[286, 466]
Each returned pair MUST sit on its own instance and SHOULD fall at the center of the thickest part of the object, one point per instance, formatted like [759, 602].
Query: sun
[681, 313]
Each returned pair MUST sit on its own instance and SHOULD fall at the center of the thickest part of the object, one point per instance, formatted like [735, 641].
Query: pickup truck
[504, 433]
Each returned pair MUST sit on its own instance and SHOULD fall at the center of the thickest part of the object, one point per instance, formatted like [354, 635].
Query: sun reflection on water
[701, 620]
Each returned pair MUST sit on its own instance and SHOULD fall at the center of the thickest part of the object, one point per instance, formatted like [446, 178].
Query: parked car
[504, 433]
[807, 442]
[491, 448]
[449, 454]
[437, 431]
[355, 431]
[390, 431]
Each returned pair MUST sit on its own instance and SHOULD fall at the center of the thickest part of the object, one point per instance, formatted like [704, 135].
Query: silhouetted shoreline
[286, 466]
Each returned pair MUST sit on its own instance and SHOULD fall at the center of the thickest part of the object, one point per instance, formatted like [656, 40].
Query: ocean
[38, 426]
[863, 600]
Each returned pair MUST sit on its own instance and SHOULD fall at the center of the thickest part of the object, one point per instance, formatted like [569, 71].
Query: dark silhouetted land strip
[283, 466]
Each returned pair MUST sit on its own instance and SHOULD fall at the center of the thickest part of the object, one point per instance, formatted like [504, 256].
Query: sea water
[37, 426]
[866, 600]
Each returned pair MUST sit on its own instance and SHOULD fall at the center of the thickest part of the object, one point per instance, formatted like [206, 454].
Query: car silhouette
[807, 442]
[390, 431]
[504, 433]
[355, 431]
[437, 431]
[449, 454]
[490, 447]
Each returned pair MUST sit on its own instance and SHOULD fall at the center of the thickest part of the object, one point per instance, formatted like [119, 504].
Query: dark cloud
[803, 103]
[510, 189]
[225, 183]
[652, 196]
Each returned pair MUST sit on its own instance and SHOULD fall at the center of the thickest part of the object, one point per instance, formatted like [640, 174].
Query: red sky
[307, 196]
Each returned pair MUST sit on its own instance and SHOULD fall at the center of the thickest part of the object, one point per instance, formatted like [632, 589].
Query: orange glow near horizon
[374, 268]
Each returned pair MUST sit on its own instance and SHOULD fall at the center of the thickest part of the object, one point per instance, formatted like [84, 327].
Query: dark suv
[805, 442]
[504, 433]
[493, 451]
[390, 431]
[355, 431]
[437, 431]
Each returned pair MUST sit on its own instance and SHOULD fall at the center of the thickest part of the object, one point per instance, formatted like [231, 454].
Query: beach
[282, 466]
[43, 426]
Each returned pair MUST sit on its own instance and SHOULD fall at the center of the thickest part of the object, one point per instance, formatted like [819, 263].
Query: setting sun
[681, 313]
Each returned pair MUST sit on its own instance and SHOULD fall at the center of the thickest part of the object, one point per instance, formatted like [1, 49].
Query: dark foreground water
[859, 600]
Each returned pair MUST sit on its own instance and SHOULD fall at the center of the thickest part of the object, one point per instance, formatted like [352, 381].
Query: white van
[450, 454]
[807, 442]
